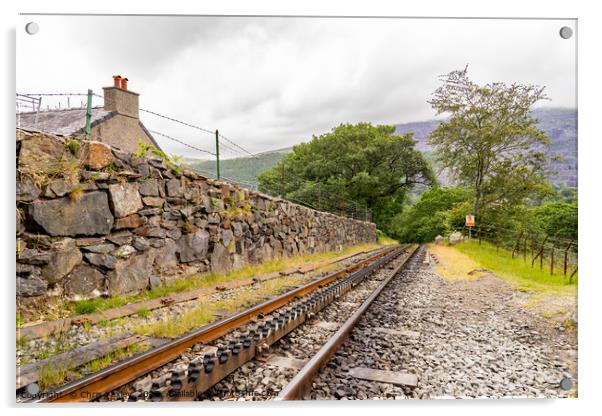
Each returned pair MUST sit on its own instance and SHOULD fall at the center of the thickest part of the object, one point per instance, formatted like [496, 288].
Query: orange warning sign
[470, 220]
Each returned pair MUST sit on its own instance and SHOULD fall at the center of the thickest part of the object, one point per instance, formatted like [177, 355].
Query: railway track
[337, 372]
[287, 369]
[246, 333]
[272, 339]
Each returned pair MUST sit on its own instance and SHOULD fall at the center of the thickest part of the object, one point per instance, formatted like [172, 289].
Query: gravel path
[469, 339]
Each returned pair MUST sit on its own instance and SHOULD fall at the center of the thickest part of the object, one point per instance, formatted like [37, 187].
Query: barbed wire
[515, 232]
[240, 147]
[178, 121]
[228, 145]
[181, 142]
[204, 130]
[60, 94]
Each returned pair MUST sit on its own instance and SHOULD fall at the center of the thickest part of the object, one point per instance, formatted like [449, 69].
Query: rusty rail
[104, 381]
[302, 382]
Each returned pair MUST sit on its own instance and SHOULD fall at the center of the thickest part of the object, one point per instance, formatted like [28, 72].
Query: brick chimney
[121, 100]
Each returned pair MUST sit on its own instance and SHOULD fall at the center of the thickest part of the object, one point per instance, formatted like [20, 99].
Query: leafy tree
[438, 211]
[563, 193]
[490, 142]
[556, 219]
[349, 168]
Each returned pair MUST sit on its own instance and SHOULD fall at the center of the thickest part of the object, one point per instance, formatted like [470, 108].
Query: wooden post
[572, 275]
[497, 241]
[540, 252]
[566, 255]
[552, 259]
[525, 250]
[517, 245]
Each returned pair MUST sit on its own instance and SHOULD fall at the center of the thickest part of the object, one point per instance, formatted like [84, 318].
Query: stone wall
[93, 220]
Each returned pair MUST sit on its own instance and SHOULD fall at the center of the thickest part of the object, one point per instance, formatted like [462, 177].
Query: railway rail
[258, 341]
[289, 310]
[301, 384]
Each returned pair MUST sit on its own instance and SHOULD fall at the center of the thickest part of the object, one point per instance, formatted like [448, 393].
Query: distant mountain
[243, 170]
[559, 124]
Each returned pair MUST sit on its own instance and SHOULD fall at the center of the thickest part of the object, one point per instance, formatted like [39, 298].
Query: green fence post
[217, 152]
[89, 115]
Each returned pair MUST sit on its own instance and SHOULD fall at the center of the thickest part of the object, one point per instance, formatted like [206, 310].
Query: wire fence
[555, 254]
[57, 101]
[205, 160]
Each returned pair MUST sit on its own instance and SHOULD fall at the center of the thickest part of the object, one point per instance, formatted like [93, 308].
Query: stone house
[117, 123]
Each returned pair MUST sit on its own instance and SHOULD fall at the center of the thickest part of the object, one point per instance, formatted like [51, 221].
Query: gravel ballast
[468, 339]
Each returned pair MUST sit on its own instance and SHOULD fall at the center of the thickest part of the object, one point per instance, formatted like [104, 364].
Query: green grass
[56, 374]
[516, 270]
[206, 312]
[383, 239]
[51, 375]
[143, 313]
[83, 307]
[209, 279]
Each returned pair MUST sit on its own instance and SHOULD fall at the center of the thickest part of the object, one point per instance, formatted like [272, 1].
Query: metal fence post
[217, 153]
[88, 114]
[282, 180]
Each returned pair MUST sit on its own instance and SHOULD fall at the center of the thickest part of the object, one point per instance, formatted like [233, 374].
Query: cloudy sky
[268, 83]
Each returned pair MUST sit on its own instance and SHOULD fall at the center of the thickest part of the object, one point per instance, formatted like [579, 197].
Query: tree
[438, 211]
[490, 141]
[555, 219]
[351, 167]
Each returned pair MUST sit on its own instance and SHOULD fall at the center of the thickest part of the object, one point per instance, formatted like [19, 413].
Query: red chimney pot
[124, 83]
[117, 81]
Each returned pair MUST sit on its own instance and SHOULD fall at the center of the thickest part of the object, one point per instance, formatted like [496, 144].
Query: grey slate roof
[69, 122]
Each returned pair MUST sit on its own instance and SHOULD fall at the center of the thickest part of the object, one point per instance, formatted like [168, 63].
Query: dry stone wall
[93, 220]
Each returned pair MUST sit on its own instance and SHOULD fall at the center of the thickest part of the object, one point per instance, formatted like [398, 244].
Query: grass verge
[550, 296]
[208, 311]
[455, 265]
[515, 270]
[56, 374]
[210, 279]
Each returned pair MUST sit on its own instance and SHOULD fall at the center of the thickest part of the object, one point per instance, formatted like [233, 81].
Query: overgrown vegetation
[491, 143]
[55, 374]
[383, 239]
[349, 168]
[439, 211]
[497, 157]
[516, 270]
[210, 279]
[173, 162]
[208, 311]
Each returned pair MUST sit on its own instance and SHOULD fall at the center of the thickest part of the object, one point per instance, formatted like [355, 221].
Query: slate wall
[93, 220]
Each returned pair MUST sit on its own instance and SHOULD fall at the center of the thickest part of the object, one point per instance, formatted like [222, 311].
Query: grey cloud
[273, 82]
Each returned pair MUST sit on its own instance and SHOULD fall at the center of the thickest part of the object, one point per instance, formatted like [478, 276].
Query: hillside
[558, 123]
[243, 169]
